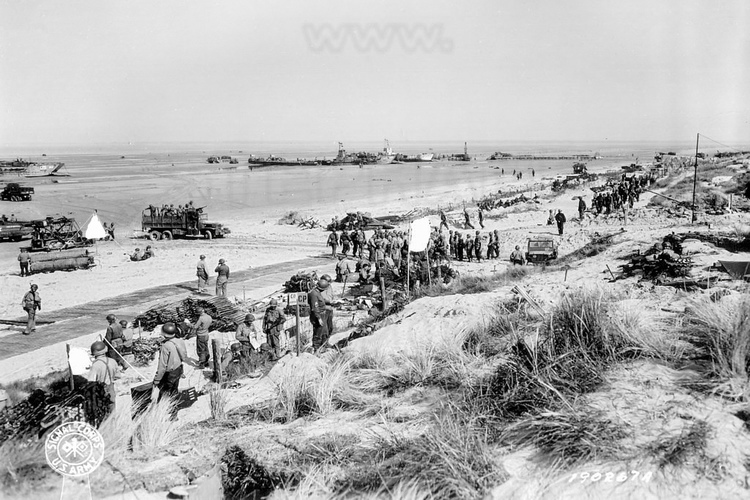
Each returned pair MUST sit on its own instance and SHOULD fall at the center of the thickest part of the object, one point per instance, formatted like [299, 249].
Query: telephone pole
[695, 177]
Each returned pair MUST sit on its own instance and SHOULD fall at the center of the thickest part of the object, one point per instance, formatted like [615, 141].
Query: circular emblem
[74, 449]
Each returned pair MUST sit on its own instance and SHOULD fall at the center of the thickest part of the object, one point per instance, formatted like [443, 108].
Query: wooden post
[70, 369]
[216, 350]
[382, 293]
[299, 333]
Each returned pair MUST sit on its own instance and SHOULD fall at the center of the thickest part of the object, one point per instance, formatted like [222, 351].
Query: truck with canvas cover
[190, 223]
[15, 192]
[541, 250]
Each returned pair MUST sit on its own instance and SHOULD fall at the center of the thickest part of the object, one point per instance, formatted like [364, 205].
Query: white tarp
[79, 360]
[93, 228]
[420, 235]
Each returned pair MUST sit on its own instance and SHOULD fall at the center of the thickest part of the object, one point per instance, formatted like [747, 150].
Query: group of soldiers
[620, 194]
[465, 246]
[383, 243]
[172, 211]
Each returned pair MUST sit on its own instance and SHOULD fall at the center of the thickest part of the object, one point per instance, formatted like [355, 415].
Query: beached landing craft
[30, 168]
[387, 156]
[276, 160]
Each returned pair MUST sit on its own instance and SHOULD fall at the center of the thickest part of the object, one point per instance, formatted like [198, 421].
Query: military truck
[541, 250]
[15, 230]
[15, 192]
[191, 223]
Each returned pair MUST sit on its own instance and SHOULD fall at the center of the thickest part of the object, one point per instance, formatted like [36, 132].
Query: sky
[96, 72]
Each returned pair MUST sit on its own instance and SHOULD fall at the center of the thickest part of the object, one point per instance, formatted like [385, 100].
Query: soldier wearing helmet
[169, 368]
[114, 339]
[318, 313]
[31, 302]
[250, 342]
[223, 278]
[103, 370]
[273, 327]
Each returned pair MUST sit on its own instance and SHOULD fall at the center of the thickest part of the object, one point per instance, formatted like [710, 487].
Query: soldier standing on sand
[31, 303]
[581, 208]
[23, 261]
[469, 246]
[467, 220]
[201, 336]
[481, 217]
[222, 279]
[103, 370]
[318, 314]
[169, 368]
[273, 327]
[478, 247]
[333, 242]
[345, 242]
[202, 274]
[443, 220]
[114, 340]
[560, 218]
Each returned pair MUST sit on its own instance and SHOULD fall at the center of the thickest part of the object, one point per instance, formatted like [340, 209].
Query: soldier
[333, 242]
[467, 220]
[581, 207]
[490, 245]
[273, 327]
[222, 279]
[459, 246]
[318, 314]
[516, 257]
[481, 217]
[169, 368]
[136, 256]
[23, 261]
[560, 218]
[478, 246]
[354, 237]
[114, 339]
[345, 242]
[31, 302]
[496, 248]
[202, 274]
[200, 329]
[443, 220]
[469, 247]
[104, 370]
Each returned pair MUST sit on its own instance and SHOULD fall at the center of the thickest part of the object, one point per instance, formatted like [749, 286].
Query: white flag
[420, 235]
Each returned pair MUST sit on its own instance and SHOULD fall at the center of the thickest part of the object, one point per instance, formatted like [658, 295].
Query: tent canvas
[93, 229]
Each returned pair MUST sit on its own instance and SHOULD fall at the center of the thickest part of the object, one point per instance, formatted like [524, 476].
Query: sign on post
[297, 298]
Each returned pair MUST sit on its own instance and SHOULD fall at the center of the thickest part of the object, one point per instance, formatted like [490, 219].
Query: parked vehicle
[15, 192]
[541, 249]
[192, 223]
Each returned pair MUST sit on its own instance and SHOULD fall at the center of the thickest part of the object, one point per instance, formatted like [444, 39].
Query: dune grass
[566, 439]
[452, 460]
[155, 429]
[720, 332]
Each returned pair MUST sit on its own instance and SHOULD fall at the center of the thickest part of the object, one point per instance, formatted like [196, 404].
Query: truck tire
[208, 234]
[154, 235]
[166, 235]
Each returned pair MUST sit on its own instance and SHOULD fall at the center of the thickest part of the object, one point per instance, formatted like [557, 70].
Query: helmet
[326, 277]
[273, 302]
[250, 317]
[98, 348]
[203, 256]
[221, 261]
[110, 317]
[168, 329]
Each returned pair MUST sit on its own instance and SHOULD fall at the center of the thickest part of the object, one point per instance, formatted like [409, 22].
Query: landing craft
[30, 168]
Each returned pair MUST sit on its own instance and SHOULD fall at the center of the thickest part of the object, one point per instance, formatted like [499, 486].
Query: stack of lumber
[226, 315]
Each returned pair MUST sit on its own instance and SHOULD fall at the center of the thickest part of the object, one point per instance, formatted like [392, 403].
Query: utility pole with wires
[695, 177]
